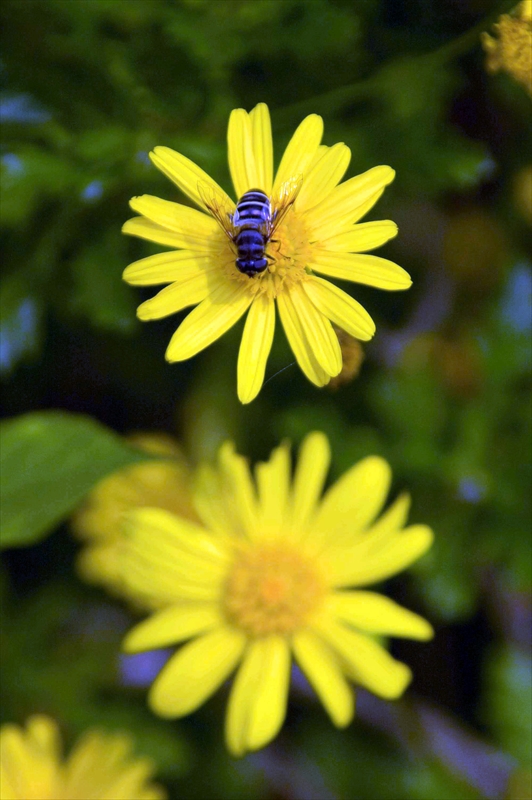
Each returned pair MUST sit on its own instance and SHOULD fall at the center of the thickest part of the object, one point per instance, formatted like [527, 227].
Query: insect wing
[287, 196]
[217, 204]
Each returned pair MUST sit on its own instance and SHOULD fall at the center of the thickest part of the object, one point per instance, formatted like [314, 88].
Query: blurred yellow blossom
[265, 578]
[510, 49]
[522, 191]
[98, 523]
[352, 358]
[100, 766]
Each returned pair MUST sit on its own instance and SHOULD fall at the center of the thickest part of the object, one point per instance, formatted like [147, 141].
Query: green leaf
[49, 460]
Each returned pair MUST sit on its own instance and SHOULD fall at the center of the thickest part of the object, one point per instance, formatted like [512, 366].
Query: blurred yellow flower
[100, 767]
[510, 49]
[522, 192]
[352, 358]
[266, 577]
[98, 523]
[316, 233]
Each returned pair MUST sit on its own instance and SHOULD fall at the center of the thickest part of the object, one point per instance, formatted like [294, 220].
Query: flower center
[272, 589]
[289, 254]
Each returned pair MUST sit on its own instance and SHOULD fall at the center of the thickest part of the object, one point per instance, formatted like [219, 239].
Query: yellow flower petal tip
[309, 226]
[100, 765]
[274, 572]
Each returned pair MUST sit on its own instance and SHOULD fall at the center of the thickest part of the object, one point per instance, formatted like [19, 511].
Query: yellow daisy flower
[98, 522]
[318, 232]
[266, 577]
[100, 767]
[510, 50]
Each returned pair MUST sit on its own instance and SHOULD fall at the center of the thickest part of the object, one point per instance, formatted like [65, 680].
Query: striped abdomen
[252, 219]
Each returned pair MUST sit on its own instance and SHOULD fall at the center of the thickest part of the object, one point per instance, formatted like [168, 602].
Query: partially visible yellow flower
[266, 577]
[162, 484]
[522, 192]
[352, 358]
[511, 49]
[318, 235]
[100, 767]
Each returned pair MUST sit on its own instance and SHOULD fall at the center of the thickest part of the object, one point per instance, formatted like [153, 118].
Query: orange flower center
[272, 589]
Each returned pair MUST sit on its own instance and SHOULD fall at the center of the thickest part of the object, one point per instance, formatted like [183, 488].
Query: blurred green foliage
[54, 459]
[87, 88]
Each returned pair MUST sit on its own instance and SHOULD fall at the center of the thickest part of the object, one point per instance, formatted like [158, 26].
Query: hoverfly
[254, 222]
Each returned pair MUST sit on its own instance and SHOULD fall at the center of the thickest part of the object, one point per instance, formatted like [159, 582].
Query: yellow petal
[240, 152]
[187, 175]
[323, 176]
[363, 563]
[312, 466]
[166, 267]
[255, 347]
[340, 308]
[153, 584]
[298, 342]
[317, 330]
[172, 625]
[362, 237]
[24, 765]
[44, 734]
[9, 790]
[175, 532]
[102, 766]
[273, 481]
[353, 502]
[370, 270]
[322, 669]
[175, 217]
[348, 202]
[318, 155]
[300, 151]
[167, 559]
[192, 286]
[195, 672]
[145, 228]
[257, 705]
[210, 320]
[369, 611]
[366, 662]
[84, 759]
[392, 520]
[335, 226]
[262, 146]
[14, 751]
[240, 492]
[128, 781]
[209, 502]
